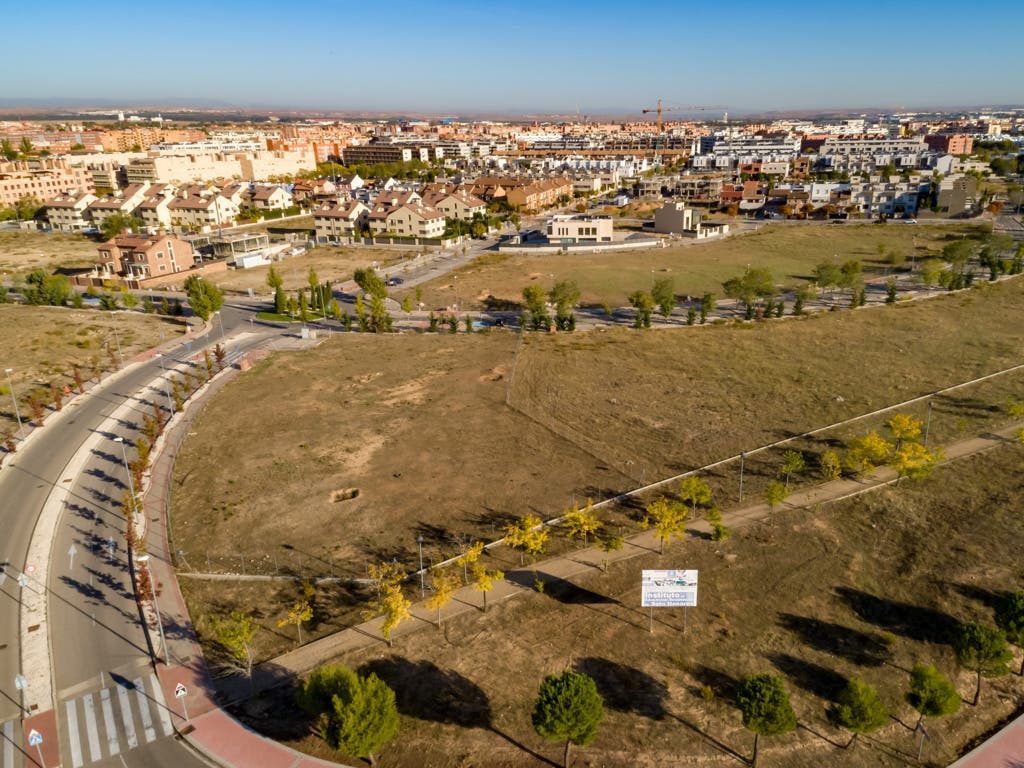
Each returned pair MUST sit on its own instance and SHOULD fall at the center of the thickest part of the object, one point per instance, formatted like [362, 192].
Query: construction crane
[659, 109]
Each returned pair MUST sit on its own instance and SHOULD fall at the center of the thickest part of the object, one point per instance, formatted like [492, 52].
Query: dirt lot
[790, 250]
[334, 264]
[22, 252]
[418, 426]
[42, 343]
[864, 588]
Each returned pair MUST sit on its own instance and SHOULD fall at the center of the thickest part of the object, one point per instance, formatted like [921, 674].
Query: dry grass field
[334, 264]
[42, 343]
[864, 588]
[23, 252]
[418, 425]
[790, 250]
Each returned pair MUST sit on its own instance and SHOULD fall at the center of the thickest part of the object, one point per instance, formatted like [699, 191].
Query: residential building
[380, 153]
[155, 211]
[68, 213]
[950, 143]
[957, 195]
[42, 179]
[139, 257]
[539, 195]
[679, 219]
[409, 220]
[122, 202]
[267, 198]
[706, 190]
[573, 230]
[456, 204]
[202, 211]
[334, 221]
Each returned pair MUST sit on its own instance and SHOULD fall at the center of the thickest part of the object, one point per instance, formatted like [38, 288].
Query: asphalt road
[109, 707]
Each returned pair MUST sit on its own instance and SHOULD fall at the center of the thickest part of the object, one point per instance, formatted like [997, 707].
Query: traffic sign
[20, 683]
[35, 738]
[180, 691]
[30, 568]
[22, 580]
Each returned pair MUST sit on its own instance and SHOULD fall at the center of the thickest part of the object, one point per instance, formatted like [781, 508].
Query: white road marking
[126, 717]
[108, 720]
[161, 705]
[76, 748]
[91, 728]
[147, 718]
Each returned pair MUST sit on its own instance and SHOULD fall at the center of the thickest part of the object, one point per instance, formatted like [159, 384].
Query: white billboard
[668, 589]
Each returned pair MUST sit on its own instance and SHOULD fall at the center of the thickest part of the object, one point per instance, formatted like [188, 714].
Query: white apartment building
[335, 221]
[69, 213]
[573, 230]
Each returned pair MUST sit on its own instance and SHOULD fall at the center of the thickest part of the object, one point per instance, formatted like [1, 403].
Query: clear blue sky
[521, 57]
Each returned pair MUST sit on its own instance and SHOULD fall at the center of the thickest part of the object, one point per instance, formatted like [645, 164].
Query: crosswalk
[11, 741]
[113, 720]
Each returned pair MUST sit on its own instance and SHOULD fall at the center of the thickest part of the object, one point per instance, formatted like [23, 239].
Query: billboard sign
[669, 589]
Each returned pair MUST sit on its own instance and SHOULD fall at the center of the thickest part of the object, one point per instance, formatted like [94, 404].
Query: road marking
[76, 748]
[108, 720]
[126, 716]
[147, 718]
[8, 745]
[161, 705]
[91, 728]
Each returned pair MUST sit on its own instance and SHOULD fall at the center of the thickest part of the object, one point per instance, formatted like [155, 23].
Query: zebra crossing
[11, 741]
[113, 720]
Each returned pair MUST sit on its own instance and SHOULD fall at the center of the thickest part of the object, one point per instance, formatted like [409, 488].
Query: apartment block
[140, 257]
[69, 213]
[42, 179]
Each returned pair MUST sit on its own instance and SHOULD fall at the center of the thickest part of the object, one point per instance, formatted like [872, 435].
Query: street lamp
[156, 607]
[163, 373]
[10, 384]
[117, 341]
[423, 589]
[124, 455]
[221, 321]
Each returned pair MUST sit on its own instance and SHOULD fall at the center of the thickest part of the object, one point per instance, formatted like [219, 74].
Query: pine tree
[569, 709]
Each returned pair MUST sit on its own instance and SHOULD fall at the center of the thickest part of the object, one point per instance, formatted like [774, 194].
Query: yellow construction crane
[659, 109]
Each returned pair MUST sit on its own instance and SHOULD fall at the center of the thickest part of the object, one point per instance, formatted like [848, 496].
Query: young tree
[765, 707]
[274, 279]
[707, 305]
[395, 607]
[469, 558]
[355, 715]
[298, 614]
[1010, 619]
[407, 304]
[582, 522]
[865, 453]
[608, 545]
[565, 294]
[792, 463]
[668, 518]
[569, 709]
[642, 302]
[235, 634]
[904, 428]
[445, 583]
[775, 494]
[914, 461]
[858, 709]
[718, 531]
[664, 294]
[118, 223]
[830, 465]
[528, 535]
[533, 297]
[931, 693]
[982, 650]
[694, 491]
[203, 296]
[484, 578]
[751, 285]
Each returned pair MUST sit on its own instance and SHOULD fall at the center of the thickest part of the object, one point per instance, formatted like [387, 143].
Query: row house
[69, 213]
[539, 194]
[890, 198]
[415, 220]
[139, 257]
[205, 210]
[335, 221]
[155, 210]
[266, 198]
[122, 202]
[456, 204]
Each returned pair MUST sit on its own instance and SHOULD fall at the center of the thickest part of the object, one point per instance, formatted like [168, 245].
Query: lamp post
[163, 381]
[124, 455]
[10, 384]
[156, 607]
[423, 589]
[221, 321]
[117, 341]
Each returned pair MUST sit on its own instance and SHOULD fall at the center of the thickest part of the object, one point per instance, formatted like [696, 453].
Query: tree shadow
[102, 476]
[425, 691]
[559, 589]
[626, 689]
[990, 598]
[725, 749]
[722, 684]
[858, 647]
[912, 621]
[813, 678]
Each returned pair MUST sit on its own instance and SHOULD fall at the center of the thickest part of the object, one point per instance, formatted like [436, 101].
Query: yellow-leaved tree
[528, 535]
[668, 518]
[581, 522]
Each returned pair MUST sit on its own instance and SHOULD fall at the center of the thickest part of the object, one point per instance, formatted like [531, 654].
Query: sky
[459, 56]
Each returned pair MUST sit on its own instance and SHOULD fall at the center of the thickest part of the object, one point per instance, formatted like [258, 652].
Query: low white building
[572, 230]
[678, 219]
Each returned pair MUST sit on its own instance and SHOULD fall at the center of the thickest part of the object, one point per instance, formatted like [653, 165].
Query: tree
[8, 152]
[827, 275]
[858, 709]
[298, 614]
[314, 289]
[1010, 618]
[274, 279]
[865, 453]
[694, 491]
[718, 531]
[765, 707]
[792, 463]
[117, 224]
[642, 302]
[569, 709]
[707, 305]
[565, 294]
[608, 545]
[831, 467]
[904, 428]
[395, 607]
[407, 304]
[930, 271]
[533, 297]
[355, 715]
[235, 634]
[913, 460]
[752, 284]
[982, 650]
[469, 558]
[528, 535]
[484, 578]
[664, 294]
[774, 495]
[203, 296]
[931, 693]
[668, 518]
[445, 583]
[370, 282]
[41, 288]
[26, 146]
[582, 522]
